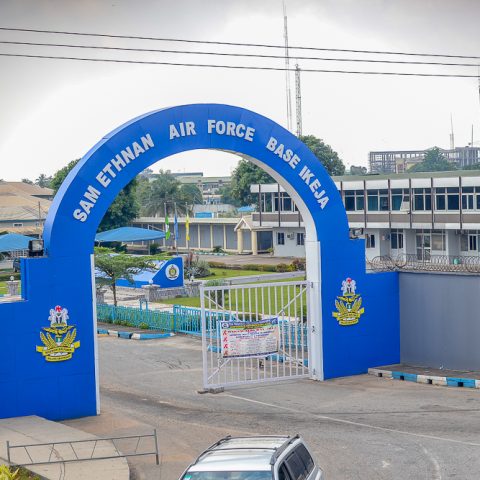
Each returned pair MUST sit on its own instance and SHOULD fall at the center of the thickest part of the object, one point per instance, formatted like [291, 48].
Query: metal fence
[247, 308]
[136, 317]
[83, 450]
[186, 320]
[430, 263]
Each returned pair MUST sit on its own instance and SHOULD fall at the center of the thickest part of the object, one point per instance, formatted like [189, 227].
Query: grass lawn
[245, 302]
[3, 288]
[219, 273]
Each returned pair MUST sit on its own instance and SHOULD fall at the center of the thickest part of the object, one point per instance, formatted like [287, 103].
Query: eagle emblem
[59, 338]
[349, 304]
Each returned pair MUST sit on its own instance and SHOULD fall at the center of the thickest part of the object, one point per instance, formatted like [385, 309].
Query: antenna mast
[452, 137]
[287, 69]
[298, 100]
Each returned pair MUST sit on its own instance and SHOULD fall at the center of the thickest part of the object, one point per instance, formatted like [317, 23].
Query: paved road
[359, 427]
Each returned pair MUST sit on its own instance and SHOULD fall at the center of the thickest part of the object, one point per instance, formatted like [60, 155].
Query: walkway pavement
[34, 430]
[428, 375]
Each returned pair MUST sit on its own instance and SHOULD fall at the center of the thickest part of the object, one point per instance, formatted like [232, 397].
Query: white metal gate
[270, 339]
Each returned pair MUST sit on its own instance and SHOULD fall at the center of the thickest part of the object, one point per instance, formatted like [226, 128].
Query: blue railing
[148, 319]
[187, 320]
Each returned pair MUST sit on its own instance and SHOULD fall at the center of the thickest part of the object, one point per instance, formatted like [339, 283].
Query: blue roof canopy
[129, 234]
[246, 209]
[12, 242]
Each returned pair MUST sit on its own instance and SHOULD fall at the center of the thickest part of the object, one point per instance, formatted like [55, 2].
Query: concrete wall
[231, 237]
[290, 249]
[439, 320]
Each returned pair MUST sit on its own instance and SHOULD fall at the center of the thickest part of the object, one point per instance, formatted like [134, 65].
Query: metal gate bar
[285, 301]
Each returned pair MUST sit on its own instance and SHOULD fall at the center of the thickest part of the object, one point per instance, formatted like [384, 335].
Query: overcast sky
[53, 111]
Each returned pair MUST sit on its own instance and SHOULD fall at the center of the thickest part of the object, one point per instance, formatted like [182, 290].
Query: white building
[420, 214]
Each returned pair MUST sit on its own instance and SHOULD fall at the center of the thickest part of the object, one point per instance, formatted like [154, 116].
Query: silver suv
[255, 458]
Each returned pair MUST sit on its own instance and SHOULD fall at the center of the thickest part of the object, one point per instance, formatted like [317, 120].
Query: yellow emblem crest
[59, 338]
[349, 305]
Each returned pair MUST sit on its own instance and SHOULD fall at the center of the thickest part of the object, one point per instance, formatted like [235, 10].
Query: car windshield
[266, 475]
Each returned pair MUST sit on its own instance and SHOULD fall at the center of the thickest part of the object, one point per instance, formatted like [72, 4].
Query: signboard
[204, 215]
[250, 339]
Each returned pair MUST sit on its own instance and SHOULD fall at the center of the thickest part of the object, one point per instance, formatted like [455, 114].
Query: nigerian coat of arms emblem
[349, 304]
[59, 338]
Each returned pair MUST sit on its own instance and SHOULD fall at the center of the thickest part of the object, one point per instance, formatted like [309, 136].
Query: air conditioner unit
[290, 236]
[386, 237]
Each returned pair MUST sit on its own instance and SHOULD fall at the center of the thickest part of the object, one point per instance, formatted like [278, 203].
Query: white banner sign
[250, 339]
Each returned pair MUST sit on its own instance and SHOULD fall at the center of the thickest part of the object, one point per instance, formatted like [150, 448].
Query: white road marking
[437, 473]
[358, 424]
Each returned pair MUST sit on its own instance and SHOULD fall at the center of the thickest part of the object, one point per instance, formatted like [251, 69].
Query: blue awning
[246, 209]
[11, 242]
[129, 234]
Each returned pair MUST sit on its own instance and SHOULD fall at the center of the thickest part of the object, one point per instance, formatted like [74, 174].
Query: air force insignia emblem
[59, 338]
[349, 305]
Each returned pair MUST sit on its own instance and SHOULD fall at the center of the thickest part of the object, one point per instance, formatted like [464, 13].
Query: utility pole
[287, 69]
[298, 100]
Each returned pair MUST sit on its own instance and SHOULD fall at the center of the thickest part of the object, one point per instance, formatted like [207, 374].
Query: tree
[27, 181]
[246, 174]
[166, 189]
[154, 195]
[189, 194]
[226, 194]
[43, 181]
[325, 154]
[434, 161]
[116, 266]
[354, 170]
[475, 166]
[121, 212]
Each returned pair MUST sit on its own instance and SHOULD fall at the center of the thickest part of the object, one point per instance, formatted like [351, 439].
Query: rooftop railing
[429, 263]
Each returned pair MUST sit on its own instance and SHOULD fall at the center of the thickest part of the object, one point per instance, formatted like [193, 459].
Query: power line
[241, 67]
[237, 44]
[233, 54]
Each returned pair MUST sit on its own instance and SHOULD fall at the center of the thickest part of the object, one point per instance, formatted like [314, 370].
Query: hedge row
[297, 264]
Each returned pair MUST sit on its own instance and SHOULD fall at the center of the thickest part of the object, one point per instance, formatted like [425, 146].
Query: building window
[18, 224]
[447, 198]
[370, 240]
[440, 202]
[422, 199]
[300, 238]
[396, 239]
[377, 200]
[438, 240]
[400, 199]
[354, 200]
[469, 241]
[468, 198]
[280, 238]
[453, 201]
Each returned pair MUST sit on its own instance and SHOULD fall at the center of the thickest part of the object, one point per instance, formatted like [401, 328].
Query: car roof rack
[277, 450]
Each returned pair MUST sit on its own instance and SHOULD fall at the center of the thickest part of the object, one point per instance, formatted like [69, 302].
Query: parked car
[16, 264]
[255, 458]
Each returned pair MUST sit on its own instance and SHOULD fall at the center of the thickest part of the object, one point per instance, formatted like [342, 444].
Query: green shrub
[217, 249]
[144, 326]
[299, 264]
[282, 267]
[154, 248]
[6, 473]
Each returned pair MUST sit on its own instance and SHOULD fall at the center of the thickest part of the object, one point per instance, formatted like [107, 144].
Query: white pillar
[240, 240]
[254, 242]
[315, 351]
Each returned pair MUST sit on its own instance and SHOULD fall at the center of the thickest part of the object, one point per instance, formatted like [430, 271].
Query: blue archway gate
[58, 378]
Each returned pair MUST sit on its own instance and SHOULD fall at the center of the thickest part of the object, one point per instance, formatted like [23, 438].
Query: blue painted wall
[162, 277]
[67, 389]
